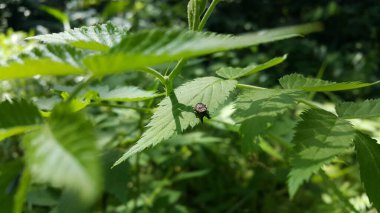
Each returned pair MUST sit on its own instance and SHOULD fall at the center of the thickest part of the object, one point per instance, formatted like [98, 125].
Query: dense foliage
[100, 118]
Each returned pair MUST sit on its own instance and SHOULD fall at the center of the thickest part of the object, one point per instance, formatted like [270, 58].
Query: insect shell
[200, 110]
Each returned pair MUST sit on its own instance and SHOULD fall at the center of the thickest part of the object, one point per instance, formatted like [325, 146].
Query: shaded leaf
[251, 129]
[44, 60]
[175, 113]
[265, 103]
[298, 81]
[97, 37]
[17, 117]
[320, 136]
[157, 46]
[9, 173]
[60, 155]
[365, 109]
[233, 73]
[368, 152]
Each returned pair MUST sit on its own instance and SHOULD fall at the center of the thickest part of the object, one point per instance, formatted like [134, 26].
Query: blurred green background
[205, 170]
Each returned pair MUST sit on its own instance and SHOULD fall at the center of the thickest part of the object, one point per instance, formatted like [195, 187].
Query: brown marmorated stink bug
[201, 111]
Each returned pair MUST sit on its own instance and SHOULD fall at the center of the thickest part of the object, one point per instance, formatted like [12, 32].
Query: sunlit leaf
[365, 109]
[298, 81]
[44, 60]
[175, 113]
[157, 46]
[320, 136]
[233, 72]
[97, 37]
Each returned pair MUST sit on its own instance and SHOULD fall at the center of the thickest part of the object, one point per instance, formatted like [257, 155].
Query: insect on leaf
[175, 113]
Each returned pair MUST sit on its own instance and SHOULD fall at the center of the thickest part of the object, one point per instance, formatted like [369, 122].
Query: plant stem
[155, 73]
[181, 63]
[245, 86]
[207, 14]
[122, 107]
[320, 74]
[308, 103]
[337, 192]
[78, 89]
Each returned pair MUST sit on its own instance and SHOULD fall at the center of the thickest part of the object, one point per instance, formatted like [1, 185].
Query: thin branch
[246, 86]
[121, 106]
[78, 89]
[207, 14]
[155, 73]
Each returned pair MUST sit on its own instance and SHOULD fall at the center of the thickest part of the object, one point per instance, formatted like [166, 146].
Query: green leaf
[128, 93]
[153, 47]
[265, 103]
[175, 113]
[365, 109]
[233, 73]
[251, 129]
[320, 136]
[97, 37]
[298, 81]
[368, 152]
[9, 173]
[64, 154]
[17, 117]
[45, 60]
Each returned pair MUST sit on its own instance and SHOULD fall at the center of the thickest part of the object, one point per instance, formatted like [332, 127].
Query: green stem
[78, 89]
[181, 63]
[308, 103]
[337, 192]
[155, 73]
[207, 14]
[320, 74]
[121, 106]
[245, 86]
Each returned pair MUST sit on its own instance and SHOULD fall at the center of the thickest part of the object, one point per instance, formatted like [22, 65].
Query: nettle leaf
[298, 81]
[44, 60]
[64, 154]
[365, 109]
[98, 37]
[17, 117]
[157, 46]
[175, 113]
[368, 152]
[128, 94]
[233, 73]
[320, 136]
[265, 103]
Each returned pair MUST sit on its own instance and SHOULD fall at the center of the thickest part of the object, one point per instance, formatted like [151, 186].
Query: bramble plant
[61, 145]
